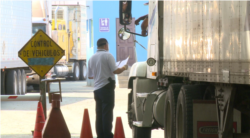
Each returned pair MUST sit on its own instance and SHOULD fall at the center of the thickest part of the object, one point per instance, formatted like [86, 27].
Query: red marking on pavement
[12, 97]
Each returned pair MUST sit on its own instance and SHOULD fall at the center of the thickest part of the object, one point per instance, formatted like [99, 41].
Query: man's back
[101, 67]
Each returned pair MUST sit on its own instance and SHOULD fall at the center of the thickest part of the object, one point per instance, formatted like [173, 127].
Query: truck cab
[39, 23]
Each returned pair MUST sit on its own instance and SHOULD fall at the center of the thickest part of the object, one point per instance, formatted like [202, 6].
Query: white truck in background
[40, 20]
[15, 31]
[41, 16]
[196, 81]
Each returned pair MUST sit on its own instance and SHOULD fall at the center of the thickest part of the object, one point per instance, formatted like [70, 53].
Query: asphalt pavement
[18, 117]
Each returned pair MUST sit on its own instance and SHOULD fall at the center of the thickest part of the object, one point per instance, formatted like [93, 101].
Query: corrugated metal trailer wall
[207, 40]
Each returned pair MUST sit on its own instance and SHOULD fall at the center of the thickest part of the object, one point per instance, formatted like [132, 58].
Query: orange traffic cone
[86, 128]
[40, 120]
[55, 125]
[119, 133]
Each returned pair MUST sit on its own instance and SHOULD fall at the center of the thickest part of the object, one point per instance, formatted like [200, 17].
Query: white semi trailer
[195, 83]
[15, 31]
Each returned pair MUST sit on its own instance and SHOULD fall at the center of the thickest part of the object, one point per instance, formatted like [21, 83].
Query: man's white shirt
[101, 66]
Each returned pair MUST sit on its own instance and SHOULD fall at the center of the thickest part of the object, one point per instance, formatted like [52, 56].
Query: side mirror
[125, 12]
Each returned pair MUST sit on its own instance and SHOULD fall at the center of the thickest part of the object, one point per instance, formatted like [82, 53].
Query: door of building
[125, 45]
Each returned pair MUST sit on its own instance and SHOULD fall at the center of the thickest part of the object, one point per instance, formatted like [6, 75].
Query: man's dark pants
[104, 98]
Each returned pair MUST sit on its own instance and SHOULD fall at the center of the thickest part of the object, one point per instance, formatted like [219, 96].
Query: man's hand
[120, 70]
[141, 18]
[137, 21]
[125, 67]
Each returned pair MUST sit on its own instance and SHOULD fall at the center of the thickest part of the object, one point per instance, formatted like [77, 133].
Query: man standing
[102, 68]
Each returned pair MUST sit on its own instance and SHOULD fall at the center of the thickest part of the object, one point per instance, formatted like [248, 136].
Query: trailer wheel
[24, 82]
[11, 83]
[76, 72]
[19, 82]
[2, 87]
[83, 70]
[170, 110]
[141, 132]
[184, 111]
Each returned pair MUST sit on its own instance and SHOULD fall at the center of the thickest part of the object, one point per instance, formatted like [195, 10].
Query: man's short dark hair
[102, 42]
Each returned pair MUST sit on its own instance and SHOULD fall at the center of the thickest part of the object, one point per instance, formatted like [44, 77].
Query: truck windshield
[36, 27]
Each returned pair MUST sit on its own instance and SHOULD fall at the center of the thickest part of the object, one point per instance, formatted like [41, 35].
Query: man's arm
[120, 70]
[113, 67]
[141, 18]
[124, 6]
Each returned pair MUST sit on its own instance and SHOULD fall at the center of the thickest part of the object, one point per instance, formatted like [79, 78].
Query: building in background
[106, 25]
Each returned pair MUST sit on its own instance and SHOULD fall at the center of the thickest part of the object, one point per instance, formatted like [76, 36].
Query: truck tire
[19, 81]
[170, 110]
[131, 113]
[184, 109]
[24, 82]
[83, 70]
[11, 83]
[141, 132]
[2, 84]
[76, 72]
[36, 87]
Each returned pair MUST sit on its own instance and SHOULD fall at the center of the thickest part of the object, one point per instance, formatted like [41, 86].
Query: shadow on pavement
[66, 86]
[32, 105]
[72, 100]
[29, 136]
[16, 136]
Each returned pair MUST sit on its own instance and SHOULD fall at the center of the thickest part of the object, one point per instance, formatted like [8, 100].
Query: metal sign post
[41, 53]
[43, 96]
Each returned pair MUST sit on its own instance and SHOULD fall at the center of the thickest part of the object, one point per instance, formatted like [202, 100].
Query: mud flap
[141, 132]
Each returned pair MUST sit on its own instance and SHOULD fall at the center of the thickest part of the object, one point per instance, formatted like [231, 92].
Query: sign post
[41, 53]
[43, 96]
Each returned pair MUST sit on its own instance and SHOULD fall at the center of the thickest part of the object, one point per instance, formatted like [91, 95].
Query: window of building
[59, 27]
[87, 25]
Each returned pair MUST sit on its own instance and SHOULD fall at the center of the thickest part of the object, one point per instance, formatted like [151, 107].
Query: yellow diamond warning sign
[41, 53]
